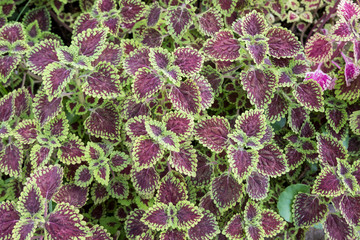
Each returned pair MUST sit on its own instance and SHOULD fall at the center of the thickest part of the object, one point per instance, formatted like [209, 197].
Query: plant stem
[22, 10]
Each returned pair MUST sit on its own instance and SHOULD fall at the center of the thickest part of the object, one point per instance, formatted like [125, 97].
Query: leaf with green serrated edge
[66, 221]
[7, 65]
[83, 176]
[253, 24]
[173, 234]
[135, 127]
[103, 82]
[56, 76]
[341, 31]
[72, 151]
[282, 42]
[72, 194]
[271, 222]
[241, 161]
[104, 122]
[252, 123]
[146, 83]
[42, 54]
[179, 20]
[252, 212]
[119, 161]
[58, 127]
[12, 32]
[99, 193]
[186, 97]
[223, 47]
[26, 131]
[171, 190]
[134, 226]
[257, 186]
[45, 110]
[206, 91]
[327, 184]
[187, 215]
[343, 91]
[209, 22]
[40, 15]
[40, 155]
[145, 181]
[131, 10]
[254, 232]
[136, 60]
[5, 130]
[179, 123]
[22, 101]
[160, 58]
[146, 152]
[213, 133]
[348, 208]
[111, 54]
[157, 217]
[319, 48]
[91, 42]
[48, 179]
[265, 82]
[184, 161]
[277, 108]
[9, 217]
[294, 158]
[234, 229]
[225, 191]
[207, 228]
[309, 95]
[286, 198]
[189, 60]
[7, 108]
[307, 210]
[272, 161]
[307, 130]
[11, 159]
[297, 117]
[118, 188]
[24, 229]
[355, 122]
[31, 202]
[347, 9]
[329, 150]
[336, 227]
[100, 233]
[258, 51]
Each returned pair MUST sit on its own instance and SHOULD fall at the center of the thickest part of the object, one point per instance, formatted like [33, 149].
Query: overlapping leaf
[179, 19]
[282, 42]
[223, 47]
[225, 191]
[309, 95]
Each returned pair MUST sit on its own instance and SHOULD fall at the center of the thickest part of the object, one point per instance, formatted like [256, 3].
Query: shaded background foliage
[178, 119]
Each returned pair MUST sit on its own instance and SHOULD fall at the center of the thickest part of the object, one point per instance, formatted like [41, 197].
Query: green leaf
[286, 199]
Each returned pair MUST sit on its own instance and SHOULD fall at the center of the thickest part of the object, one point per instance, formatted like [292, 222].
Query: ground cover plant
[179, 119]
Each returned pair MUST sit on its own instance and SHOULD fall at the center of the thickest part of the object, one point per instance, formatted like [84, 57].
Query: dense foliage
[179, 119]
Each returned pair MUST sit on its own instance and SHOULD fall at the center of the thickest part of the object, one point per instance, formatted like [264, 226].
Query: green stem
[78, 84]
[22, 10]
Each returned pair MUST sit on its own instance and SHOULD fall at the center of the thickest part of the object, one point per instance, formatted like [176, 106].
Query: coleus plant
[129, 119]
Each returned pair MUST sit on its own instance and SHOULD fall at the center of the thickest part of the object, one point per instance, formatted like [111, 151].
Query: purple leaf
[153, 15]
[210, 22]
[294, 157]
[186, 97]
[119, 161]
[8, 220]
[308, 210]
[55, 78]
[66, 221]
[204, 171]
[234, 229]
[251, 212]
[85, 21]
[349, 208]
[152, 38]
[206, 91]
[12, 32]
[111, 54]
[241, 161]
[145, 181]
[30, 201]
[24, 229]
[207, 203]
[297, 117]
[337, 228]
[188, 59]
[320, 77]
[105, 5]
[318, 48]
[42, 54]
[72, 194]
[118, 188]
[327, 183]
[213, 133]
[179, 19]
[223, 47]
[188, 215]
[271, 222]
[185, 160]
[272, 161]
[48, 179]
[146, 83]
[252, 123]
[257, 186]
[7, 108]
[83, 177]
[100, 233]
[309, 95]
[136, 60]
[40, 155]
[282, 42]
[71, 151]
[207, 228]
[160, 58]
[347, 9]
[329, 150]
[103, 82]
[254, 232]
[45, 110]
[41, 15]
[179, 123]
[277, 108]
[253, 24]
[171, 190]
[225, 191]
[341, 31]
[11, 159]
[344, 91]
[26, 131]
[99, 193]
[7, 65]
[22, 101]
[132, 108]
[131, 10]
[134, 226]
[156, 217]
[146, 152]
[172, 234]
[265, 81]
[258, 51]
[104, 122]
[90, 42]
[135, 127]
